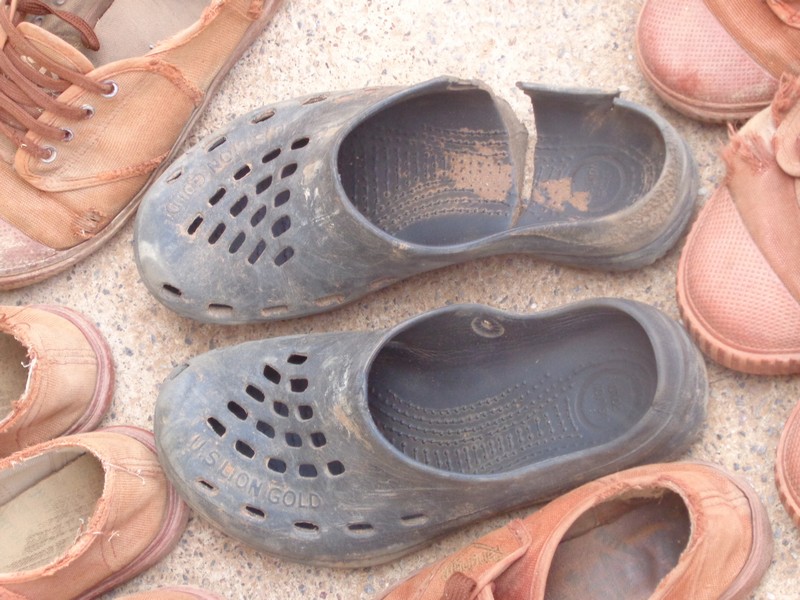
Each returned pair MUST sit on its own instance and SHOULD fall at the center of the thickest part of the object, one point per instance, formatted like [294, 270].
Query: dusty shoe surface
[96, 105]
[738, 281]
[56, 375]
[787, 466]
[666, 532]
[354, 448]
[718, 60]
[84, 513]
[304, 206]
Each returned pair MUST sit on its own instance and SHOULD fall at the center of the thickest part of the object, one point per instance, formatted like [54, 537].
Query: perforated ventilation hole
[265, 428]
[288, 170]
[305, 412]
[283, 256]
[306, 527]
[301, 143]
[175, 176]
[413, 520]
[335, 468]
[218, 195]
[171, 289]
[299, 384]
[257, 252]
[244, 449]
[263, 185]
[216, 144]
[216, 426]
[238, 206]
[194, 225]
[258, 216]
[282, 198]
[361, 528]
[237, 243]
[261, 117]
[308, 471]
[255, 512]
[281, 226]
[293, 440]
[315, 99]
[297, 359]
[242, 173]
[204, 485]
[280, 408]
[277, 465]
[255, 393]
[271, 373]
[271, 155]
[220, 309]
[216, 234]
[318, 439]
[237, 411]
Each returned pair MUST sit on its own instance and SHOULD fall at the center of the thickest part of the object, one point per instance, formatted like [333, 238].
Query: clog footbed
[309, 204]
[354, 448]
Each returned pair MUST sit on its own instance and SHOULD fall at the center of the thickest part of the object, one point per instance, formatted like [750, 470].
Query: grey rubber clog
[348, 449]
[304, 206]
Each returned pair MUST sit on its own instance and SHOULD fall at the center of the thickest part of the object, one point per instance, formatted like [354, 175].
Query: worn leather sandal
[347, 449]
[309, 204]
[665, 532]
[99, 95]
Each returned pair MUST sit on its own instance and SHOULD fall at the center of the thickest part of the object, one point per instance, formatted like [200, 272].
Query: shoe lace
[30, 82]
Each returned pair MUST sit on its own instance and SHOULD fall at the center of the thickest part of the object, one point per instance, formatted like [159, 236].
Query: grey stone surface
[315, 46]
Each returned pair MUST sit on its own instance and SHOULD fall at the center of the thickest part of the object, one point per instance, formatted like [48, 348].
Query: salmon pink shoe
[56, 375]
[83, 514]
[666, 531]
[787, 466]
[174, 593]
[97, 97]
[738, 276]
[718, 60]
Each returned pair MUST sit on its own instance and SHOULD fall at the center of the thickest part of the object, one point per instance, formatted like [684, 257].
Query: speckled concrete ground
[322, 45]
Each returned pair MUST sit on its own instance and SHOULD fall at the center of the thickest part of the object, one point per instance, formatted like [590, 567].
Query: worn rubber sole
[175, 521]
[104, 384]
[65, 259]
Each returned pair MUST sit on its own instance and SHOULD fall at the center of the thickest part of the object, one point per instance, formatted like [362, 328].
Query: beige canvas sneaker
[56, 375]
[96, 95]
[83, 514]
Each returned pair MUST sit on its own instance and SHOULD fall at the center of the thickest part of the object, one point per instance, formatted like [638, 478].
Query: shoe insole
[624, 557]
[437, 170]
[41, 522]
[126, 28]
[493, 401]
[13, 372]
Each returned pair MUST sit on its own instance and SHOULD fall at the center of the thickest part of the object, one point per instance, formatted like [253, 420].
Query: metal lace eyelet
[51, 154]
[60, 2]
[69, 135]
[38, 20]
[88, 111]
[114, 88]
[487, 327]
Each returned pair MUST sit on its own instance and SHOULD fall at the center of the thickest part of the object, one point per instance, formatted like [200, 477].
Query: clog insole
[491, 403]
[629, 549]
[13, 372]
[41, 522]
[438, 170]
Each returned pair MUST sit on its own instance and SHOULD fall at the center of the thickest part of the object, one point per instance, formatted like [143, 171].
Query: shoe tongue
[55, 48]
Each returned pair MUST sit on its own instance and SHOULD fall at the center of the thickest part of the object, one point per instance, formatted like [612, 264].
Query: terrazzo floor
[321, 45]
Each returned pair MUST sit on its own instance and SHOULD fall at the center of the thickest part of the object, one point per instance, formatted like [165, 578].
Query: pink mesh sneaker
[718, 60]
[738, 276]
